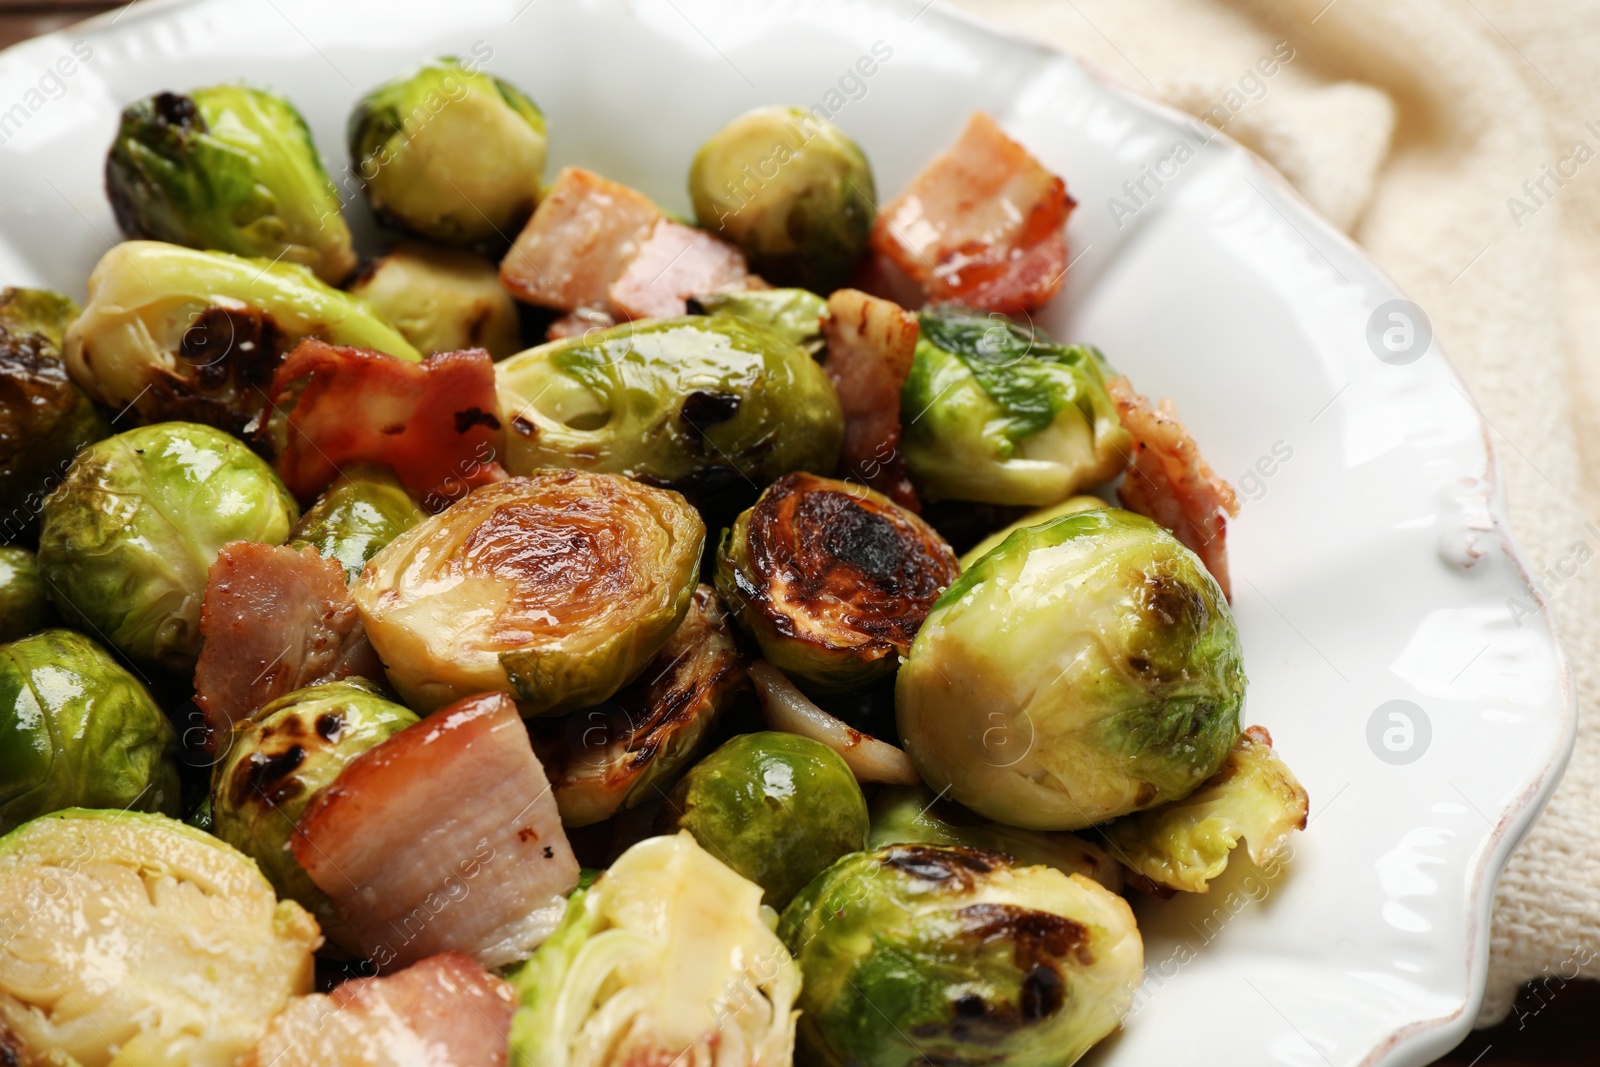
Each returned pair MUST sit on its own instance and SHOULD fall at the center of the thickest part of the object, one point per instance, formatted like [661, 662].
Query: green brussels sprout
[37, 311]
[78, 731]
[791, 190]
[795, 313]
[442, 300]
[449, 153]
[227, 168]
[129, 535]
[356, 516]
[777, 808]
[831, 579]
[1070, 506]
[177, 333]
[1085, 669]
[24, 607]
[707, 406]
[281, 758]
[128, 938]
[1000, 414]
[917, 954]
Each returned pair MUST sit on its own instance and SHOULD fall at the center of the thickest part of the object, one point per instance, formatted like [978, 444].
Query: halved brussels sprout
[37, 311]
[24, 607]
[831, 579]
[78, 731]
[791, 190]
[229, 168]
[796, 314]
[775, 807]
[130, 533]
[281, 758]
[134, 939]
[182, 334]
[1070, 506]
[1185, 844]
[1085, 669]
[356, 516]
[558, 587]
[708, 406]
[450, 154]
[917, 954]
[1000, 414]
[442, 300]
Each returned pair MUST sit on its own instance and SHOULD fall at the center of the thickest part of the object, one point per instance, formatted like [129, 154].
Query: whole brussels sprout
[795, 313]
[442, 300]
[1070, 506]
[707, 406]
[78, 731]
[228, 168]
[777, 808]
[178, 333]
[791, 190]
[37, 311]
[917, 954]
[1084, 669]
[449, 153]
[130, 533]
[1000, 414]
[356, 516]
[281, 758]
[24, 607]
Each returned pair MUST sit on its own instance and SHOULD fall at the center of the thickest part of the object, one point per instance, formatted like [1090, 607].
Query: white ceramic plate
[1371, 559]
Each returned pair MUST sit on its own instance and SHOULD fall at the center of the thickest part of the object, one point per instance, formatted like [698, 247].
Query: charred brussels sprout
[914, 954]
[442, 300]
[37, 311]
[703, 405]
[183, 334]
[791, 190]
[356, 516]
[23, 604]
[277, 761]
[832, 579]
[558, 587]
[1085, 669]
[1069, 506]
[130, 533]
[1000, 414]
[796, 314]
[228, 168]
[78, 731]
[449, 153]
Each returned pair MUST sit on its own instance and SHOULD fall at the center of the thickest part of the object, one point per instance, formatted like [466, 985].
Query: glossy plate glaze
[1371, 559]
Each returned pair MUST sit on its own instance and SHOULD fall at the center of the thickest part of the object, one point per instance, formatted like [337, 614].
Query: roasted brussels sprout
[129, 534]
[159, 944]
[791, 190]
[918, 954]
[37, 311]
[442, 300]
[667, 958]
[704, 405]
[1070, 506]
[78, 731]
[182, 334]
[558, 587]
[359, 514]
[277, 761]
[24, 607]
[1185, 844]
[1000, 414]
[450, 154]
[794, 313]
[228, 168]
[1054, 711]
[831, 579]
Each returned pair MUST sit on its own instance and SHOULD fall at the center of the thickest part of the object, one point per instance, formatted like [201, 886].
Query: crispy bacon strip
[871, 343]
[445, 1011]
[444, 837]
[674, 263]
[1170, 482]
[577, 323]
[981, 224]
[434, 422]
[275, 619]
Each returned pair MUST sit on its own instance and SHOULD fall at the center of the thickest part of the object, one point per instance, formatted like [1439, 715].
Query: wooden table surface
[1558, 1026]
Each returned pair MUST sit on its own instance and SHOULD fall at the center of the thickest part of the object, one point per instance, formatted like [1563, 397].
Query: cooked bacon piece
[982, 224]
[445, 836]
[443, 1012]
[1170, 482]
[870, 345]
[577, 323]
[434, 422]
[673, 264]
[579, 241]
[275, 619]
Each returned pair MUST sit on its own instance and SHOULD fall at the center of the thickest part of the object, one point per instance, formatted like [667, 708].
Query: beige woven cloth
[1413, 125]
